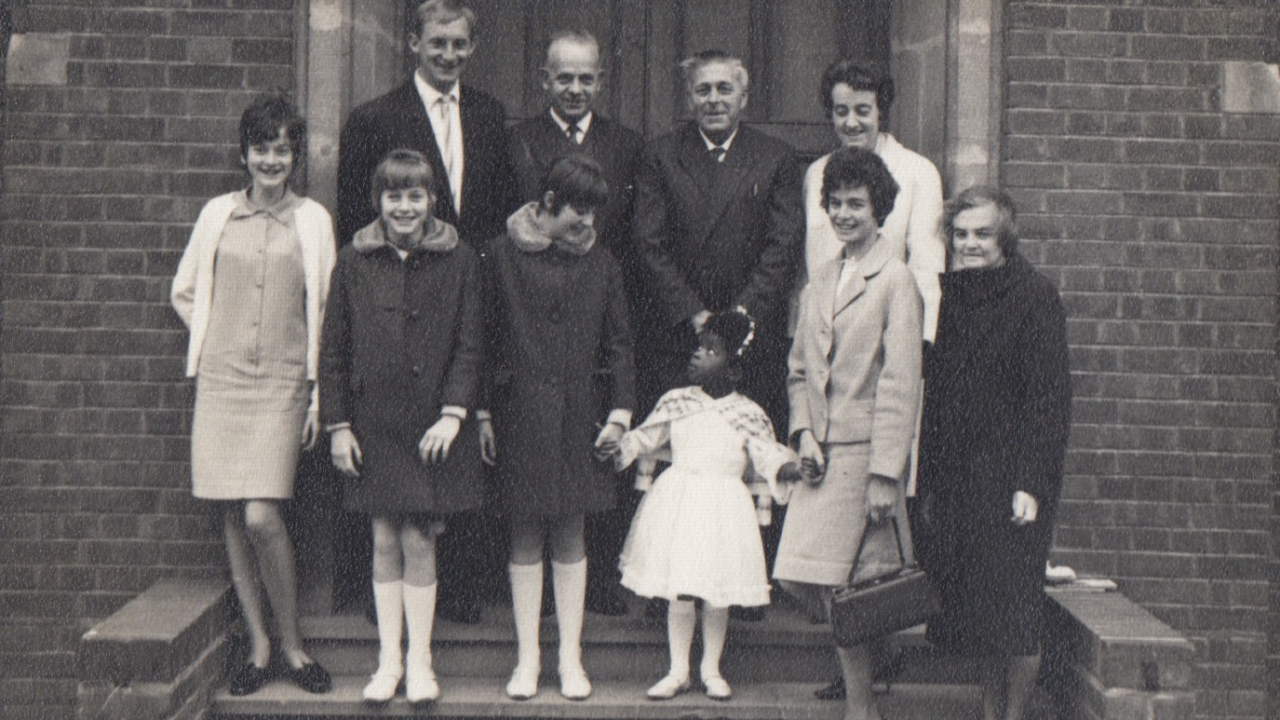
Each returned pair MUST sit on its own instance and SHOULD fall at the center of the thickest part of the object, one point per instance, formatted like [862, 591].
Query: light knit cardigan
[192, 291]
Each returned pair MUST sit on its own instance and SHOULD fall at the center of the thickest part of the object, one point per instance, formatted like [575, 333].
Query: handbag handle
[857, 557]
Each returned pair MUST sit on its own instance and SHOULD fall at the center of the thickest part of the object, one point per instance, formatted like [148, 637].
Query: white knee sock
[388, 605]
[715, 627]
[682, 618]
[526, 605]
[569, 582]
[420, 613]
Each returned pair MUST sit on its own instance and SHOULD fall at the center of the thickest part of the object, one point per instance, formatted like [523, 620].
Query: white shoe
[574, 683]
[717, 687]
[524, 682]
[382, 685]
[668, 687]
[421, 686]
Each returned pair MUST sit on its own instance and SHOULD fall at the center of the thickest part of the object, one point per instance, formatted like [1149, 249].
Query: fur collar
[524, 233]
[441, 238]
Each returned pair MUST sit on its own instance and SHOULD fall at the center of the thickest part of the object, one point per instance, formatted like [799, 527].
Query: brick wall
[103, 175]
[1155, 211]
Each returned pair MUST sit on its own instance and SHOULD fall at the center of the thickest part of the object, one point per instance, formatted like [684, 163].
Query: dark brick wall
[102, 180]
[1156, 213]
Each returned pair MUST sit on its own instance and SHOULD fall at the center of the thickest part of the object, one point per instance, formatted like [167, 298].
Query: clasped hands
[605, 446]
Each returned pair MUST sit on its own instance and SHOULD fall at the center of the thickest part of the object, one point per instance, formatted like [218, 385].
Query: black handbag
[869, 609]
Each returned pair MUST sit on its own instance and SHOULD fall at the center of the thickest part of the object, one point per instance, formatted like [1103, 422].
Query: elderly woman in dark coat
[560, 351]
[994, 434]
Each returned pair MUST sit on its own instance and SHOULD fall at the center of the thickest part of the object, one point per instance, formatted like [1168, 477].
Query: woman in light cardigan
[251, 288]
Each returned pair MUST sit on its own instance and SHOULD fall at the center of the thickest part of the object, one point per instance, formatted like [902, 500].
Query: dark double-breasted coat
[718, 235]
[560, 359]
[402, 339]
[399, 120]
[997, 410]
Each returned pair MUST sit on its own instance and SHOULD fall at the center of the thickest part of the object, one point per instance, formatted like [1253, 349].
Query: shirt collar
[583, 125]
[726, 144]
[282, 210]
[430, 95]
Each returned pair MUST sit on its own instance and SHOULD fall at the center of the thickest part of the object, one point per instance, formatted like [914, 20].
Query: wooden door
[786, 44]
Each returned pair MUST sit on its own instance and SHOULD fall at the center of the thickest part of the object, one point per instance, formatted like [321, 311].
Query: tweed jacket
[399, 120]
[855, 364]
[192, 291]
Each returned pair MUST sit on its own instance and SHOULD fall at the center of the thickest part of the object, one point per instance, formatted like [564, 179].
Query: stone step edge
[485, 697]
[597, 630]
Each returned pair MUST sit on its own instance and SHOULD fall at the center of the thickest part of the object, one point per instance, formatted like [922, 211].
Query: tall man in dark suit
[462, 132]
[572, 78]
[460, 129]
[719, 224]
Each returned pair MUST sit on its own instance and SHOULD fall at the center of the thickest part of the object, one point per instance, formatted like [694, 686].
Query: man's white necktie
[450, 153]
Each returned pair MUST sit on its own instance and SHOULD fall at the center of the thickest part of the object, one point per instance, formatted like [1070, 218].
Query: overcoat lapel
[868, 266]
[717, 183]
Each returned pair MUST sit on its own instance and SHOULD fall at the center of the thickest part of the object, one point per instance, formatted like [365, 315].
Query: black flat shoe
[834, 691]
[310, 677]
[249, 680]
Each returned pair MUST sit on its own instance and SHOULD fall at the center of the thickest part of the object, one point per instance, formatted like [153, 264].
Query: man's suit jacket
[537, 143]
[399, 120]
[718, 235]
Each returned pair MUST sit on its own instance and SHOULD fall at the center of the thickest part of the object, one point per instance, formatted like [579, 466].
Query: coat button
[417, 369]
[555, 317]
[413, 314]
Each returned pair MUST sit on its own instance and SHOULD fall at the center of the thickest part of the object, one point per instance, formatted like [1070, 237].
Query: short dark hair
[577, 181]
[262, 121]
[976, 197]
[857, 77]
[442, 12]
[856, 167]
[401, 169]
[736, 329]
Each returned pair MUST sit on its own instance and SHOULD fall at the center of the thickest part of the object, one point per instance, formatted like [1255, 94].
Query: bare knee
[263, 522]
[526, 540]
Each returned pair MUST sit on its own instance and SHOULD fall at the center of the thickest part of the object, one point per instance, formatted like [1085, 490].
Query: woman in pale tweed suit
[251, 288]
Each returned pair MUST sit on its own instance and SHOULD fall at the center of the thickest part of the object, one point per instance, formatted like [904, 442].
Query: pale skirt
[825, 523]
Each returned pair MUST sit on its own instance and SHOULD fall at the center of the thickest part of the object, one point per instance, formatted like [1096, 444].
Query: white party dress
[695, 533]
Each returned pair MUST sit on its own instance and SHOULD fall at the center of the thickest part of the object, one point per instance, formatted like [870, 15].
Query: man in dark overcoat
[460, 129]
[719, 225]
[572, 78]
[462, 132]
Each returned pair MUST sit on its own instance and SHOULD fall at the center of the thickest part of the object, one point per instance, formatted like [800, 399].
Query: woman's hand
[488, 442]
[1025, 508]
[436, 441]
[881, 493]
[812, 462]
[345, 452]
[311, 430]
[606, 445]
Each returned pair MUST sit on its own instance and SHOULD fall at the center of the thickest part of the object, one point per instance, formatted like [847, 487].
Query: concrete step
[469, 697]
[785, 647]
